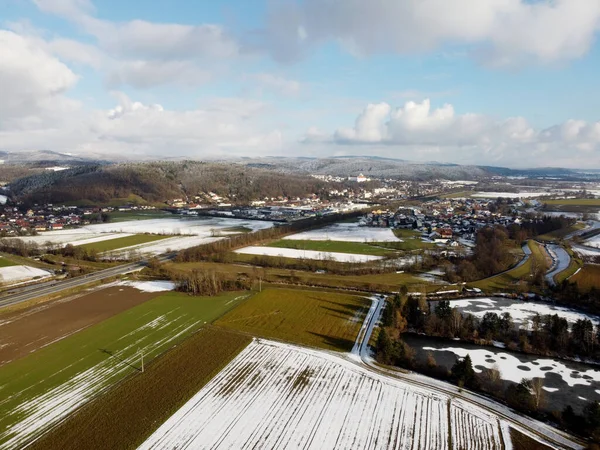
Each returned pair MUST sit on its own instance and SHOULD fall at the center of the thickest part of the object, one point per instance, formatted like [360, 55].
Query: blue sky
[506, 82]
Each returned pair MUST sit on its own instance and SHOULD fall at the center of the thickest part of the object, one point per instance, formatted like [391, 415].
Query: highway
[26, 293]
[530, 426]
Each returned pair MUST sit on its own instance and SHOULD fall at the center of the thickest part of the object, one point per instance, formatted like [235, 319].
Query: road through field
[522, 423]
[15, 296]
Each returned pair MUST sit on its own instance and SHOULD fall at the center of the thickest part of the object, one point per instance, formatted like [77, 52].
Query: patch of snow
[346, 232]
[150, 286]
[291, 397]
[512, 369]
[306, 254]
[13, 274]
[549, 389]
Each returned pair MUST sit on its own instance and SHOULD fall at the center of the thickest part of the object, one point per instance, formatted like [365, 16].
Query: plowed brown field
[25, 331]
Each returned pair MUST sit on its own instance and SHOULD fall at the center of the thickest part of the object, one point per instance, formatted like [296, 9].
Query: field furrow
[274, 395]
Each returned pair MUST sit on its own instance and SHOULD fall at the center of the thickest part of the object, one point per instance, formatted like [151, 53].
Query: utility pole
[259, 284]
[141, 352]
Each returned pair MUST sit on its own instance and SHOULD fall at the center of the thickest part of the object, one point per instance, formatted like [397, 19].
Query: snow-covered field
[348, 232]
[14, 274]
[512, 194]
[512, 369]
[150, 286]
[593, 242]
[521, 312]
[187, 232]
[306, 254]
[274, 395]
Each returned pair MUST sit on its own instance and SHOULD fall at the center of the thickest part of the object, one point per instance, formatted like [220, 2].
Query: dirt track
[25, 331]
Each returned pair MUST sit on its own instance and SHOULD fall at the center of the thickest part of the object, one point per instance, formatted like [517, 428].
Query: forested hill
[160, 181]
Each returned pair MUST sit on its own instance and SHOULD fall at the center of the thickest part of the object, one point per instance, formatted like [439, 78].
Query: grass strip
[316, 318]
[123, 242]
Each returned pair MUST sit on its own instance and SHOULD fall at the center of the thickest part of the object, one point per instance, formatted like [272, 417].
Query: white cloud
[504, 32]
[33, 81]
[276, 83]
[418, 131]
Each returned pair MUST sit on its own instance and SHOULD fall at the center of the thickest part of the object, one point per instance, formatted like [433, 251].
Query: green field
[122, 242]
[356, 248]
[77, 368]
[127, 414]
[379, 282]
[574, 202]
[588, 277]
[316, 318]
[516, 278]
[404, 233]
[5, 262]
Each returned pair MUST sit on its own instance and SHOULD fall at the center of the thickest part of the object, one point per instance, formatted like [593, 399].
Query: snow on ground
[512, 369]
[3, 199]
[291, 397]
[593, 242]
[520, 311]
[36, 414]
[13, 274]
[511, 194]
[347, 232]
[194, 231]
[173, 244]
[150, 286]
[307, 254]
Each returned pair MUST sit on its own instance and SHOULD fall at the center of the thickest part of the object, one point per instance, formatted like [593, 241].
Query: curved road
[545, 432]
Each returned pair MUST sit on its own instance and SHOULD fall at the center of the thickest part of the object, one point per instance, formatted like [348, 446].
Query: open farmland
[6, 262]
[332, 246]
[573, 201]
[346, 232]
[40, 390]
[380, 282]
[306, 254]
[126, 415]
[14, 274]
[588, 277]
[26, 331]
[122, 242]
[317, 318]
[289, 397]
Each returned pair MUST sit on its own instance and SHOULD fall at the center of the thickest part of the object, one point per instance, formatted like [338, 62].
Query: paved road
[547, 433]
[53, 287]
[26, 293]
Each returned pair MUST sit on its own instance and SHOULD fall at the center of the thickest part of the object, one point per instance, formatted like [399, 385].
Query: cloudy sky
[498, 82]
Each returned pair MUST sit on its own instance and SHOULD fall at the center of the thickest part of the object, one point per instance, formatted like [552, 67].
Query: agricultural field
[333, 246]
[6, 262]
[126, 216]
[12, 274]
[306, 254]
[317, 318]
[588, 277]
[574, 201]
[290, 397]
[25, 331]
[126, 415]
[346, 232]
[122, 242]
[181, 232]
[384, 282]
[41, 389]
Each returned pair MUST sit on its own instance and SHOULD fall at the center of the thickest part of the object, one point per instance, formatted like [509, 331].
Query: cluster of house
[44, 218]
[452, 222]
